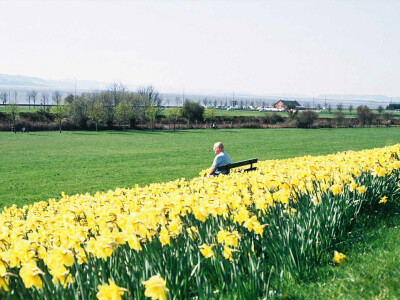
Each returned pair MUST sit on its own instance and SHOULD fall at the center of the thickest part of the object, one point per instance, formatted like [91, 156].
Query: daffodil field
[234, 236]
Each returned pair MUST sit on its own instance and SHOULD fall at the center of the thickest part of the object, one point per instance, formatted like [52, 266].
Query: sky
[255, 47]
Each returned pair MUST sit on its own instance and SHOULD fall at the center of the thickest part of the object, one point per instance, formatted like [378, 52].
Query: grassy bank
[371, 269]
[41, 165]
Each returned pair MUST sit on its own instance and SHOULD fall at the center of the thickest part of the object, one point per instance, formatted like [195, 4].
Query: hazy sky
[260, 47]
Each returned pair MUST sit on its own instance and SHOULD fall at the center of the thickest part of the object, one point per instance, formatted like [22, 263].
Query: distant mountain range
[28, 82]
[22, 83]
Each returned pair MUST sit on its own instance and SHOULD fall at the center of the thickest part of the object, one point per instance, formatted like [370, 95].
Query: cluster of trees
[113, 106]
[364, 115]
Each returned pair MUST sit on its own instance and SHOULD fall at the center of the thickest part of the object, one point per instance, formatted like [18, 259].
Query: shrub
[306, 119]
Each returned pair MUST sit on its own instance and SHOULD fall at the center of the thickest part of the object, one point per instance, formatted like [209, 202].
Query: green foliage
[173, 114]
[339, 117]
[151, 114]
[273, 119]
[209, 114]
[292, 113]
[12, 111]
[364, 115]
[393, 106]
[60, 112]
[96, 112]
[123, 114]
[306, 119]
[78, 111]
[193, 111]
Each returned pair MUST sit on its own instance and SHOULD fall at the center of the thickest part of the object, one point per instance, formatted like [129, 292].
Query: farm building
[286, 104]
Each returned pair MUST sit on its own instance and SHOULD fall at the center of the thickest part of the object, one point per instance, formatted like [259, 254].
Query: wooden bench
[239, 164]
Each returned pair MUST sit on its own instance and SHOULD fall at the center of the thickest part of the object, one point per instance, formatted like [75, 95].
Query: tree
[209, 115]
[150, 96]
[15, 94]
[292, 111]
[192, 111]
[33, 96]
[393, 106]
[4, 97]
[78, 111]
[173, 114]
[388, 117]
[351, 108]
[12, 112]
[339, 115]
[306, 119]
[329, 108]
[28, 97]
[380, 110]
[56, 96]
[96, 112]
[59, 112]
[69, 99]
[364, 115]
[123, 113]
[45, 99]
[151, 114]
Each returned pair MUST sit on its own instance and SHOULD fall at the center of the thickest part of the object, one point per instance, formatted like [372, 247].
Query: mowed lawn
[41, 165]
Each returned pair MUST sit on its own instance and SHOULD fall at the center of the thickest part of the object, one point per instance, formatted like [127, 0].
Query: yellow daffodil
[207, 251]
[30, 275]
[109, 291]
[155, 287]
[338, 257]
[3, 278]
[383, 200]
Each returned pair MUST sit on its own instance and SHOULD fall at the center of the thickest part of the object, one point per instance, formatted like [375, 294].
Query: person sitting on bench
[221, 159]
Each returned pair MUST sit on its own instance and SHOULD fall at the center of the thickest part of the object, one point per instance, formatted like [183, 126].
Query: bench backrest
[240, 164]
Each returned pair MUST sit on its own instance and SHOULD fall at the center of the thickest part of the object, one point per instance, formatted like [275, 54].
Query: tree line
[118, 107]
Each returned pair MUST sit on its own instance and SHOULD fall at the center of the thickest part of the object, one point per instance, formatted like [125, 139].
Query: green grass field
[41, 165]
[20, 109]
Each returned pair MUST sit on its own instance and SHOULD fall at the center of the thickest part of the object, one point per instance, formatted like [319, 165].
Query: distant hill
[27, 82]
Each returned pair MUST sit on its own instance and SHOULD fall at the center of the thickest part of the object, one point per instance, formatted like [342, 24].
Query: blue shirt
[221, 159]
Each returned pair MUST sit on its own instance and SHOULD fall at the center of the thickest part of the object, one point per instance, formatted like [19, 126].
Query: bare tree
[56, 96]
[150, 96]
[116, 90]
[4, 97]
[33, 96]
[44, 99]
[28, 97]
[351, 108]
[15, 94]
